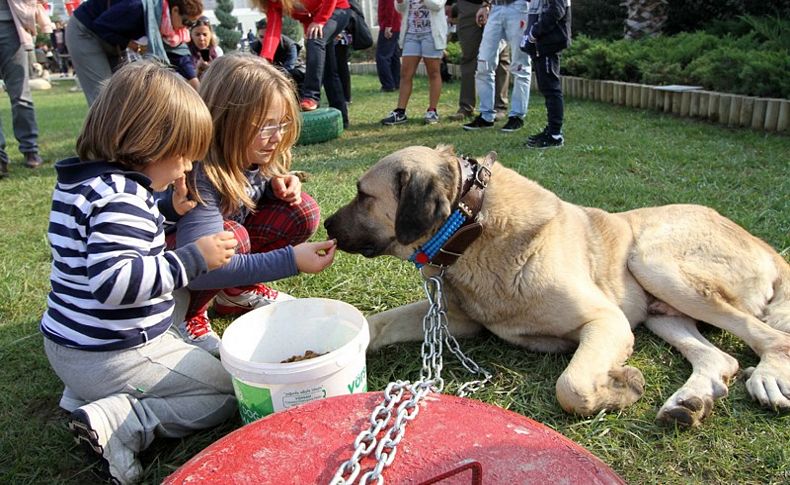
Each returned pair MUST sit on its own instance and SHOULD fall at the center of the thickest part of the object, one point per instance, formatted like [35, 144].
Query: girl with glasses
[243, 185]
[100, 31]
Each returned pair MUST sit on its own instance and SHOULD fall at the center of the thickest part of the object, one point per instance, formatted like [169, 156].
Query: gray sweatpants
[94, 60]
[15, 74]
[166, 387]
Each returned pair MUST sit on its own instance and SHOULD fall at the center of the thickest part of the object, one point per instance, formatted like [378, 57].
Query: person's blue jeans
[321, 64]
[504, 22]
[388, 61]
[15, 75]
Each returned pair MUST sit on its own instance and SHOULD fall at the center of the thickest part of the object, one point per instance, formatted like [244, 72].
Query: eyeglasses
[269, 131]
[188, 22]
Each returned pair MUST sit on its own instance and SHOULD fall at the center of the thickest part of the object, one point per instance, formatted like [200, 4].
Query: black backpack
[361, 38]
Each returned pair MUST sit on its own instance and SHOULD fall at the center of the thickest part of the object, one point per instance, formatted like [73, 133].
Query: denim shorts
[420, 45]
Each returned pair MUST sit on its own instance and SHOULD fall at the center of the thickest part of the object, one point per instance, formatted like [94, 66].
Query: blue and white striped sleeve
[126, 261]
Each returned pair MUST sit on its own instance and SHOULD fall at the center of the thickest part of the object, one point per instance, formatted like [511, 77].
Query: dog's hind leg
[712, 370]
[698, 293]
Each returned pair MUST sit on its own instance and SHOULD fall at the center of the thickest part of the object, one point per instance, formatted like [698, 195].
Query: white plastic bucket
[254, 346]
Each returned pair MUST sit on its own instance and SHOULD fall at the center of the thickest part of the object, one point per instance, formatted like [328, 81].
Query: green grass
[615, 158]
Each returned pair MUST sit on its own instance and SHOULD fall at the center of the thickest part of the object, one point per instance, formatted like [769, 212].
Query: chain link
[407, 396]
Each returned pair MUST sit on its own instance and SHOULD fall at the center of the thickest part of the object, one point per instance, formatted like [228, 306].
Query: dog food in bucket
[256, 346]
[307, 355]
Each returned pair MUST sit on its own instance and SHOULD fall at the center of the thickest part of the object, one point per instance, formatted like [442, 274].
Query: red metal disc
[451, 441]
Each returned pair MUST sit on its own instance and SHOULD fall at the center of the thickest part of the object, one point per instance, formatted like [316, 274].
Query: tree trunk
[644, 18]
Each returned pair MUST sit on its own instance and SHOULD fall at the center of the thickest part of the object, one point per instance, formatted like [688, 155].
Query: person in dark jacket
[99, 33]
[548, 33]
[286, 56]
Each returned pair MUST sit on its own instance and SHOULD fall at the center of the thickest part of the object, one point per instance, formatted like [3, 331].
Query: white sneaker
[92, 430]
[198, 332]
[236, 302]
[431, 117]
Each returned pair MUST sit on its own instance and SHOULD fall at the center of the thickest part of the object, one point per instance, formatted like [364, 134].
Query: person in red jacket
[322, 21]
[387, 49]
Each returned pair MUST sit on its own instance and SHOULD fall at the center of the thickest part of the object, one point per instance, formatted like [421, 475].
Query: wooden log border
[732, 110]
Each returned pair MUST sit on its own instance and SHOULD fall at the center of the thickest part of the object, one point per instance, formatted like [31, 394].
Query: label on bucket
[254, 402]
[257, 401]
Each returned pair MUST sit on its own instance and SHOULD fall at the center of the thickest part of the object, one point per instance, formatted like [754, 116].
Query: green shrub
[599, 19]
[754, 64]
[453, 50]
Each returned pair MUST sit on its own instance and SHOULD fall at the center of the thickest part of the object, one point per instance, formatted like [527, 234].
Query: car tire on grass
[320, 125]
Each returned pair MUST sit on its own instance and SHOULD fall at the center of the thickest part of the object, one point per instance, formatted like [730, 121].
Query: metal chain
[407, 396]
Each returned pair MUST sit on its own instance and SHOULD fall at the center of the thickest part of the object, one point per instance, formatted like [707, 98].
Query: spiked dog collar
[461, 228]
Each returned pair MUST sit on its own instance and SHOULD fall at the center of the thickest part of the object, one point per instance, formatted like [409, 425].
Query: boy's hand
[312, 257]
[217, 249]
[181, 202]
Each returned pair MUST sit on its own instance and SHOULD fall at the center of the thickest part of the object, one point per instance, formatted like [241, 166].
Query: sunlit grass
[615, 158]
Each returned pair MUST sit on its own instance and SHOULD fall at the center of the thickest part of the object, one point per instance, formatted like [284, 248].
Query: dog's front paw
[586, 396]
[627, 384]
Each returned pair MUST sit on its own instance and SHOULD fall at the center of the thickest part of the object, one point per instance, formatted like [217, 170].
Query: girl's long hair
[239, 90]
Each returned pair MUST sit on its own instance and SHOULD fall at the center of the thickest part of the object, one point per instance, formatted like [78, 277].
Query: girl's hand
[217, 249]
[287, 189]
[181, 202]
[315, 31]
[313, 257]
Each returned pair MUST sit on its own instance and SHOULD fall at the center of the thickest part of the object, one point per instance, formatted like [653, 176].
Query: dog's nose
[329, 224]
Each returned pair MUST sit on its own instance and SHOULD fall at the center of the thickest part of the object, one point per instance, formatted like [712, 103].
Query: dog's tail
[777, 311]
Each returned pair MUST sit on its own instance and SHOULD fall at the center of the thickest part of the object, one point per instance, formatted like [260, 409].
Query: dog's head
[401, 201]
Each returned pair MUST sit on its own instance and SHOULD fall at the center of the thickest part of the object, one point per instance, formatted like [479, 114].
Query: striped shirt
[112, 280]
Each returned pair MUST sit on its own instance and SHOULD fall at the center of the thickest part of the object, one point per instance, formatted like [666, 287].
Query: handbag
[361, 38]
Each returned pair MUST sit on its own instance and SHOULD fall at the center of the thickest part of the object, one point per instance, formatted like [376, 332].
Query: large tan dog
[553, 276]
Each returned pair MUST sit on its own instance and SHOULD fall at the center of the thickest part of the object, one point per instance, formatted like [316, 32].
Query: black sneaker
[514, 123]
[546, 141]
[534, 137]
[394, 118]
[478, 123]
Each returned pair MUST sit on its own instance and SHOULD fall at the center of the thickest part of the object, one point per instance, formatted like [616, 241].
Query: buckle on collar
[482, 181]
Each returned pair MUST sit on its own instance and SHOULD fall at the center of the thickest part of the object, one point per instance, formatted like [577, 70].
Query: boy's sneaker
[198, 332]
[546, 141]
[478, 123]
[534, 137]
[514, 123]
[394, 118]
[233, 301]
[92, 430]
[431, 117]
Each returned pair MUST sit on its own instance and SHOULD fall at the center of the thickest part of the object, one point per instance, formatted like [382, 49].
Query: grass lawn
[615, 158]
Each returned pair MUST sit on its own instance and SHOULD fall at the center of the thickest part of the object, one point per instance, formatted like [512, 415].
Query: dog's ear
[421, 205]
[491, 157]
